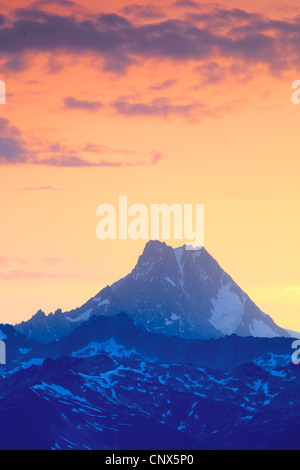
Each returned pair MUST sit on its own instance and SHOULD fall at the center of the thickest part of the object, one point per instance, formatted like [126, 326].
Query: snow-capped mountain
[107, 403]
[119, 336]
[170, 291]
[184, 293]
[44, 328]
[112, 375]
[113, 385]
[21, 351]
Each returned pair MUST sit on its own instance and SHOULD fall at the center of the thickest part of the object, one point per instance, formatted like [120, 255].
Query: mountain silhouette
[170, 291]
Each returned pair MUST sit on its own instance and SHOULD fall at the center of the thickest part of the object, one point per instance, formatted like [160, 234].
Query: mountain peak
[183, 292]
[156, 248]
[40, 314]
[164, 256]
[176, 291]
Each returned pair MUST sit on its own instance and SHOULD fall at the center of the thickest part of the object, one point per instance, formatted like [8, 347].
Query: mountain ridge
[119, 336]
[170, 393]
[170, 291]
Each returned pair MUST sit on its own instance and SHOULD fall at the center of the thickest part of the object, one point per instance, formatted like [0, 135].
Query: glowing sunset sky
[189, 102]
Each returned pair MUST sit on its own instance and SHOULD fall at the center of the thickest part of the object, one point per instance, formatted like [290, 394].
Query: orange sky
[206, 87]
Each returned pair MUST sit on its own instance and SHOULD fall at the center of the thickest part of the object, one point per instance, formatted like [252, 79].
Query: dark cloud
[186, 4]
[211, 73]
[163, 85]
[163, 108]
[78, 162]
[113, 20]
[73, 103]
[15, 63]
[160, 107]
[12, 148]
[55, 65]
[14, 151]
[65, 3]
[223, 16]
[65, 161]
[8, 130]
[259, 24]
[96, 148]
[233, 33]
[147, 11]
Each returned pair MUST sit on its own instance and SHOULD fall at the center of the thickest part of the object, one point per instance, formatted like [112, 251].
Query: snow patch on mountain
[261, 329]
[189, 284]
[178, 255]
[83, 317]
[24, 350]
[228, 310]
[170, 281]
[110, 347]
[2, 335]
[57, 390]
